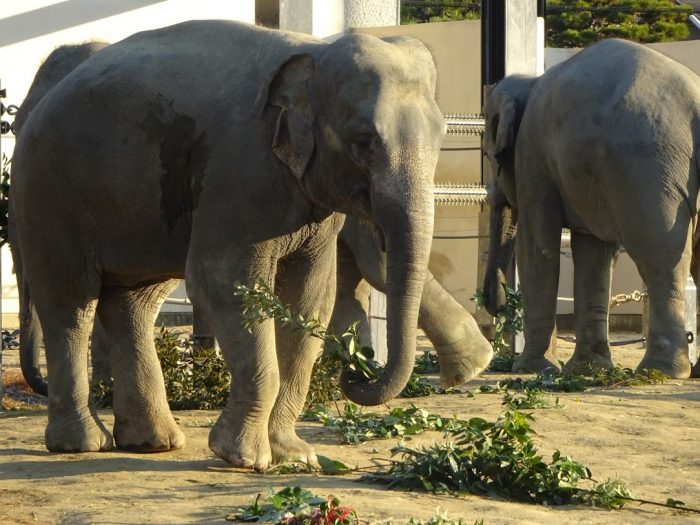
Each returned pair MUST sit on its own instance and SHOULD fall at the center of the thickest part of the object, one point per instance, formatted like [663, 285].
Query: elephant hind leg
[66, 320]
[142, 418]
[665, 267]
[594, 260]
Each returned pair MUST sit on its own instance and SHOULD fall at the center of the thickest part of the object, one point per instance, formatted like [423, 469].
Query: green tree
[576, 23]
[418, 12]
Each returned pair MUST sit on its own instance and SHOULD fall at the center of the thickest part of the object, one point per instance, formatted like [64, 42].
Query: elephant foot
[463, 360]
[287, 446]
[676, 368]
[84, 433]
[525, 363]
[248, 448]
[585, 361]
[143, 435]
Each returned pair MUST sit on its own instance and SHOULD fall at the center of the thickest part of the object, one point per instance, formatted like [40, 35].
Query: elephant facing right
[606, 144]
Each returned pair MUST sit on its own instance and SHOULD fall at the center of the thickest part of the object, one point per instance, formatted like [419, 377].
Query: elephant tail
[30, 334]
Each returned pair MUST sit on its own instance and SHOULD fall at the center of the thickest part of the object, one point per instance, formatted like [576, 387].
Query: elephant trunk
[501, 250]
[407, 228]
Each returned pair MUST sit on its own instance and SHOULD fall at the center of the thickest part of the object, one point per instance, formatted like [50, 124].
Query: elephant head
[359, 128]
[503, 111]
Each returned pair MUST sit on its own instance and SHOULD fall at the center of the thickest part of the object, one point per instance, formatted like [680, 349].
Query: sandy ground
[649, 436]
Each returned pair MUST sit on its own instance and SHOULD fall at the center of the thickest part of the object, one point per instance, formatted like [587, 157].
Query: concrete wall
[31, 29]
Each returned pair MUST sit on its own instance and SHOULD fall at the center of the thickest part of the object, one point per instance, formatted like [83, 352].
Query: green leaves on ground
[579, 381]
[497, 457]
[356, 426]
[426, 363]
[295, 506]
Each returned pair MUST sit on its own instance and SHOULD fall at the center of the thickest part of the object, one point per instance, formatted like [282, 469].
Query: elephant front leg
[462, 350]
[309, 285]
[240, 435]
[594, 260]
[537, 254]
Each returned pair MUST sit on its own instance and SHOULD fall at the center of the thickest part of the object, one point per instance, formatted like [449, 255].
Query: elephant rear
[620, 116]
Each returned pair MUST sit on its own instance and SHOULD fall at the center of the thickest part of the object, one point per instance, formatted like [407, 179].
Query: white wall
[330, 18]
[31, 29]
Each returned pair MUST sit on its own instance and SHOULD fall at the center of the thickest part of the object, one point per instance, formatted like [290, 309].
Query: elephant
[220, 152]
[57, 65]
[605, 144]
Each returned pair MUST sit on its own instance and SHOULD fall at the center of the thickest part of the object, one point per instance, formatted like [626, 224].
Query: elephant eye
[362, 150]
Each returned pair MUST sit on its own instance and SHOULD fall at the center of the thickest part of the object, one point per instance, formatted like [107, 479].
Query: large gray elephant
[462, 350]
[608, 145]
[220, 152]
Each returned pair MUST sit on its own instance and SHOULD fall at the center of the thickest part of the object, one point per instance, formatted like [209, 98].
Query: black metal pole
[493, 41]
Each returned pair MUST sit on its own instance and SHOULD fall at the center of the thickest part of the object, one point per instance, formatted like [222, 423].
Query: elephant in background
[57, 65]
[606, 144]
[220, 152]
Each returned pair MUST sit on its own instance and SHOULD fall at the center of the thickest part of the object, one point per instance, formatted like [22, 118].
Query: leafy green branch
[4, 198]
[261, 304]
[509, 321]
[344, 351]
[497, 457]
[295, 506]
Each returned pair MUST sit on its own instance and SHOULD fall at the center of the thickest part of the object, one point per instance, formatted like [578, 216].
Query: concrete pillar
[331, 18]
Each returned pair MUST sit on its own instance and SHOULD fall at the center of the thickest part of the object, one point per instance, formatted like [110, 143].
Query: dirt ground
[648, 436]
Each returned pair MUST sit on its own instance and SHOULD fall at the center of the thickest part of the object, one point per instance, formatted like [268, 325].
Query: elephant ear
[288, 90]
[504, 123]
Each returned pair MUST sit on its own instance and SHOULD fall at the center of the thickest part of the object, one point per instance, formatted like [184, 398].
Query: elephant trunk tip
[373, 393]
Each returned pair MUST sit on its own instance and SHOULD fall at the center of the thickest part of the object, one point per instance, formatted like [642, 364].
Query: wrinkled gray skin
[462, 351]
[59, 63]
[220, 152]
[606, 144]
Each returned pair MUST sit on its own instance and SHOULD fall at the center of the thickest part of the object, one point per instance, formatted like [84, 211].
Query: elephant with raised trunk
[220, 152]
[606, 144]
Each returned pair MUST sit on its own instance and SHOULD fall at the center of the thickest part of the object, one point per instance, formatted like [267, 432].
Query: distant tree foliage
[576, 23]
[418, 12]
[643, 21]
